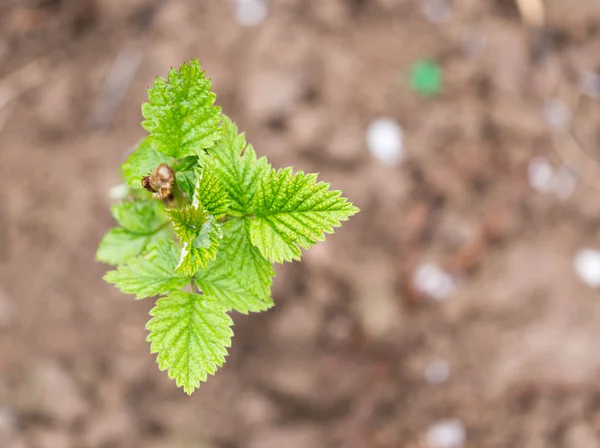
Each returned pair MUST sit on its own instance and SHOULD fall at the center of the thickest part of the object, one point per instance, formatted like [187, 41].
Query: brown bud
[160, 182]
[146, 184]
[163, 174]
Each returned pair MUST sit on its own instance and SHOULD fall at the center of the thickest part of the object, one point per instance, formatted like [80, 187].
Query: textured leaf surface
[293, 212]
[236, 166]
[142, 217]
[142, 162]
[180, 115]
[120, 245]
[186, 175]
[191, 334]
[199, 235]
[210, 194]
[188, 222]
[151, 274]
[240, 278]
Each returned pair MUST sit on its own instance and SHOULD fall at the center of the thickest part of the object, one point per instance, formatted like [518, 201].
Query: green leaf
[119, 245]
[199, 235]
[180, 115]
[294, 212]
[211, 194]
[191, 334]
[188, 222]
[151, 274]
[198, 254]
[186, 175]
[142, 217]
[142, 162]
[236, 166]
[240, 277]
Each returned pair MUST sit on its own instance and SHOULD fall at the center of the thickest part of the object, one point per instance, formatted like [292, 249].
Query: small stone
[431, 280]
[564, 183]
[589, 84]
[436, 11]
[557, 114]
[8, 425]
[251, 12]
[118, 192]
[587, 266]
[378, 315]
[544, 179]
[385, 141]
[437, 371]
[540, 174]
[446, 434]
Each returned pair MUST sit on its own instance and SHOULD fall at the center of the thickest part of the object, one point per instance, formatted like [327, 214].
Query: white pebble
[587, 266]
[118, 192]
[446, 434]
[437, 371]
[251, 12]
[589, 84]
[385, 141]
[8, 420]
[436, 11]
[564, 183]
[557, 114]
[544, 179]
[540, 174]
[434, 282]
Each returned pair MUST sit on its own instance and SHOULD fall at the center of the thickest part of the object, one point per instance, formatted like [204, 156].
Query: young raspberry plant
[202, 222]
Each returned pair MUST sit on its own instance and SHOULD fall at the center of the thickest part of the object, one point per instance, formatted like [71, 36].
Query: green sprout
[203, 221]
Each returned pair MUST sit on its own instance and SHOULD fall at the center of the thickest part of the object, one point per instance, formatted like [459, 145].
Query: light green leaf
[143, 217]
[188, 221]
[294, 212]
[142, 162]
[211, 194]
[199, 235]
[119, 245]
[180, 115]
[236, 166]
[240, 277]
[191, 334]
[185, 175]
[151, 274]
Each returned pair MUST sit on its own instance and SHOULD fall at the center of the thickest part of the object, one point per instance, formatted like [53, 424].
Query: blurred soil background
[448, 314]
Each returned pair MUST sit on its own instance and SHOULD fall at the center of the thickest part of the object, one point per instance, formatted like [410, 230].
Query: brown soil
[340, 361]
